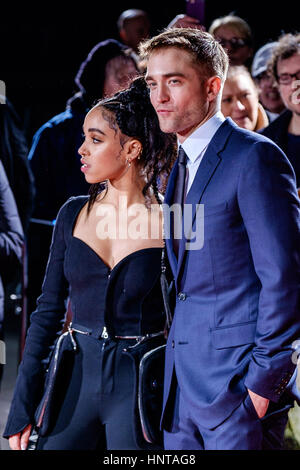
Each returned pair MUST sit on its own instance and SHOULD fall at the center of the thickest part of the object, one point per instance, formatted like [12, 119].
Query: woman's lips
[84, 166]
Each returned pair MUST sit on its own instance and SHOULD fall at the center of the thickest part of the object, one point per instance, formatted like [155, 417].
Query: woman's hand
[20, 440]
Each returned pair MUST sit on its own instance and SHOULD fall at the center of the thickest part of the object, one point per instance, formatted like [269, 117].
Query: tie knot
[182, 156]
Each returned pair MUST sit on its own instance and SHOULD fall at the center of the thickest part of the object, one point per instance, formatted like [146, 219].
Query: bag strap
[163, 269]
[165, 291]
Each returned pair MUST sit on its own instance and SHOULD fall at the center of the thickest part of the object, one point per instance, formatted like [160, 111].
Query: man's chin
[167, 127]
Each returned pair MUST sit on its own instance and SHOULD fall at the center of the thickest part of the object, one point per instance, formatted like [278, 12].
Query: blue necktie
[179, 188]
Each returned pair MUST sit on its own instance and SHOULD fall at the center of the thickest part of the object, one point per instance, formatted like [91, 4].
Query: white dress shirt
[196, 144]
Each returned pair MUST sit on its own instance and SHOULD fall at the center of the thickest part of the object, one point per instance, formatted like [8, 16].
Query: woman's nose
[82, 150]
[239, 105]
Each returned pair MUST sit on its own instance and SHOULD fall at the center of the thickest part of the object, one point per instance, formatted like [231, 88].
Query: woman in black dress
[105, 255]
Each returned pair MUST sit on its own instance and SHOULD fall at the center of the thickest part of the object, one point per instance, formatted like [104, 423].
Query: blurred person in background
[269, 95]
[240, 100]
[13, 155]
[285, 70]
[11, 244]
[235, 35]
[133, 26]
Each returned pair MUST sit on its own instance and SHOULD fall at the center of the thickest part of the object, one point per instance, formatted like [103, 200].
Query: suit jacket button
[181, 296]
[173, 344]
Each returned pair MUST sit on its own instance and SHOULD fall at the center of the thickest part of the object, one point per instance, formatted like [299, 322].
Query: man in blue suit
[229, 354]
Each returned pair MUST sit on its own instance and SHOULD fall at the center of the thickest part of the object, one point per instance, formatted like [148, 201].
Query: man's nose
[162, 94]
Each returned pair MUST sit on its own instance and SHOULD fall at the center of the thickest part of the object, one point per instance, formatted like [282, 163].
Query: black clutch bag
[150, 396]
[149, 364]
[148, 358]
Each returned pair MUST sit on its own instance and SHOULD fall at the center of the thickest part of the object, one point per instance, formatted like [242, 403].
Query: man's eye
[96, 141]
[151, 84]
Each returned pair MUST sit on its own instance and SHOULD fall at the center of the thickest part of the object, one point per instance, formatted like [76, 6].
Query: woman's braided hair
[131, 111]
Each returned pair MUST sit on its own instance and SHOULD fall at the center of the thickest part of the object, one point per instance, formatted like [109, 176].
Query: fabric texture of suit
[237, 298]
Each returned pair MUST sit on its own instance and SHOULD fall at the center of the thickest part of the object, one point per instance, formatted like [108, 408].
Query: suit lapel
[205, 171]
[168, 202]
[207, 167]
[203, 176]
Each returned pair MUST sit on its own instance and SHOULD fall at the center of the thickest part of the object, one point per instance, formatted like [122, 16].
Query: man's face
[177, 91]
[290, 92]
[240, 101]
[269, 95]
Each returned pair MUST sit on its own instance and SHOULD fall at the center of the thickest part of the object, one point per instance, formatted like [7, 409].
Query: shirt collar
[200, 138]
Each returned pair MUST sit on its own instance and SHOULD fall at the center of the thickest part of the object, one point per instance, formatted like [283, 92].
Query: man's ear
[213, 87]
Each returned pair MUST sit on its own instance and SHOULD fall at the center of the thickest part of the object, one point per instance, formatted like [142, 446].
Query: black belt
[104, 334]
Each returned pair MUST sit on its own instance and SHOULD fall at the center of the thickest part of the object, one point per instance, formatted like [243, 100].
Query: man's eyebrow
[166, 75]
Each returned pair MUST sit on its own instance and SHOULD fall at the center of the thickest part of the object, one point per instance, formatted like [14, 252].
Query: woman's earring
[128, 163]
[139, 155]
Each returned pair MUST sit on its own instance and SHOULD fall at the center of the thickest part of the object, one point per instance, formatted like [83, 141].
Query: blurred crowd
[261, 94]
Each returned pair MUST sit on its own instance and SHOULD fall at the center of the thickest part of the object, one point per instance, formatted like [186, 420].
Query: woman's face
[119, 72]
[233, 41]
[103, 157]
[240, 101]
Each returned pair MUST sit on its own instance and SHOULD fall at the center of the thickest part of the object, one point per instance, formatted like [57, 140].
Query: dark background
[42, 45]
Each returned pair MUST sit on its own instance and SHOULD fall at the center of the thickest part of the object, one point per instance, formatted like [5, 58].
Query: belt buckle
[104, 333]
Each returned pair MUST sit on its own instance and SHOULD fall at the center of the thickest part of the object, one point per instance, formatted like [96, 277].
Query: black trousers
[97, 400]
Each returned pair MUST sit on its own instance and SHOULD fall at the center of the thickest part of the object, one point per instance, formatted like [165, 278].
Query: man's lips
[163, 111]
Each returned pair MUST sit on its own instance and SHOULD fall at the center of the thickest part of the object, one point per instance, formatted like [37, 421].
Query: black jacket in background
[11, 237]
[13, 154]
[278, 132]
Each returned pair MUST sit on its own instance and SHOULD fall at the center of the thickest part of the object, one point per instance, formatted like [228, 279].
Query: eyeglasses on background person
[287, 78]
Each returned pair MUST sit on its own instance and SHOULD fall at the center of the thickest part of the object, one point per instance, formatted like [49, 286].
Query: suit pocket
[233, 336]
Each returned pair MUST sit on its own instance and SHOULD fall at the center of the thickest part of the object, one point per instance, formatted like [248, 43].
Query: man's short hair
[287, 46]
[203, 48]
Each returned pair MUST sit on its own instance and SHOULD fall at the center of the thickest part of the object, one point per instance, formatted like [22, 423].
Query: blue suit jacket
[237, 306]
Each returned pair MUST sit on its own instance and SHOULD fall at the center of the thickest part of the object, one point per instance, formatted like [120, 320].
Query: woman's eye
[95, 141]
